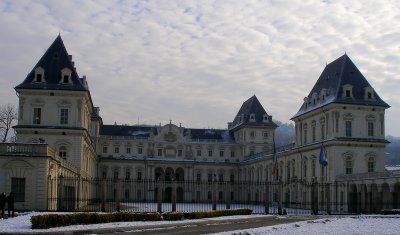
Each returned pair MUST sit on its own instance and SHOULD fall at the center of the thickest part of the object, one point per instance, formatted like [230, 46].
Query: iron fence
[294, 197]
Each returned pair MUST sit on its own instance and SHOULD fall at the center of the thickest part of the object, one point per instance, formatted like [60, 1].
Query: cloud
[195, 62]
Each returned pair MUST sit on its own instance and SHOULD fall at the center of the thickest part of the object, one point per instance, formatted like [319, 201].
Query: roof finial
[345, 52]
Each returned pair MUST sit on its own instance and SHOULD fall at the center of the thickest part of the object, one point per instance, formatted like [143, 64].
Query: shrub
[210, 214]
[173, 216]
[58, 220]
[390, 211]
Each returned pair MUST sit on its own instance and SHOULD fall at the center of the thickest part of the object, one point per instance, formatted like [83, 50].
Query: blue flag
[323, 158]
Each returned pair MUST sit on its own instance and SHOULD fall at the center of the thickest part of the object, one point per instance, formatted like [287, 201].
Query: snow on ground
[22, 224]
[373, 224]
[367, 224]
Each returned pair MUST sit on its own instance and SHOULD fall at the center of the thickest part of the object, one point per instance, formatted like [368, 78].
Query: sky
[196, 62]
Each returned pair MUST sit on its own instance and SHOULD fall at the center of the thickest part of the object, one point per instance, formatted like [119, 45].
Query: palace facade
[60, 133]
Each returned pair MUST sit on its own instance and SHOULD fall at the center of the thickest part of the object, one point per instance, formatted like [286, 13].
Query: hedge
[59, 220]
[390, 211]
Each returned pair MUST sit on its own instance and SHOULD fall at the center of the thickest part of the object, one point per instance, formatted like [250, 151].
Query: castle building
[339, 140]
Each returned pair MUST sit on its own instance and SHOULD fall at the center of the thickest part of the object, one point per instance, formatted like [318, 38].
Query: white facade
[79, 145]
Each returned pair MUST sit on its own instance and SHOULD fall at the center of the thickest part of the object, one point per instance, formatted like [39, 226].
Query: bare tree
[8, 114]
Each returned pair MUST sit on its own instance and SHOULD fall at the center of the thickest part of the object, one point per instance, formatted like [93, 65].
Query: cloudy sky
[196, 62]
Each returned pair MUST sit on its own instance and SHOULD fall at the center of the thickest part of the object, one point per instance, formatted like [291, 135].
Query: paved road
[203, 227]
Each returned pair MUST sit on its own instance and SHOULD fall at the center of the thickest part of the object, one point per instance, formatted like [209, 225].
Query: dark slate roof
[122, 130]
[251, 106]
[210, 134]
[340, 72]
[53, 61]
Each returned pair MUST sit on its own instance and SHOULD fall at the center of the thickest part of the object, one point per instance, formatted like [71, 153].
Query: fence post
[117, 196]
[228, 195]
[173, 194]
[280, 197]
[328, 198]
[159, 195]
[214, 193]
[314, 198]
[266, 204]
[60, 196]
[103, 194]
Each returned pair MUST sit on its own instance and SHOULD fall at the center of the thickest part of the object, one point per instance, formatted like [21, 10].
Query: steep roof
[210, 134]
[336, 74]
[249, 107]
[53, 61]
[123, 130]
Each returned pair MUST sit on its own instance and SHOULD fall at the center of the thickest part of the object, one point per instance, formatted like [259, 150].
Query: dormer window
[252, 117]
[323, 95]
[369, 93]
[66, 76]
[305, 102]
[265, 118]
[39, 75]
[347, 91]
[314, 99]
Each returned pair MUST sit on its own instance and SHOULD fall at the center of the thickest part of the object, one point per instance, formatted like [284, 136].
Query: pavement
[202, 227]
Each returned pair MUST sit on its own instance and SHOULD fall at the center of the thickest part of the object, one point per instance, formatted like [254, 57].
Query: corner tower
[253, 128]
[55, 107]
[345, 113]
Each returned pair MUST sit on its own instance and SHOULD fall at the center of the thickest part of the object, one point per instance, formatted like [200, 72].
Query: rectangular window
[348, 128]
[371, 166]
[116, 150]
[64, 116]
[322, 131]
[65, 79]
[313, 133]
[305, 136]
[139, 175]
[105, 149]
[232, 154]
[221, 178]
[232, 178]
[38, 77]
[313, 168]
[198, 152]
[370, 129]
[265, 135]
[252, 134]
[221, 153]
[37, 115]
[349, 167]
[210, 153]
[127, 175]
[348, 93]
[179, 152]
[159, 152]
[18, 188]
[140, 150]
[198, 177]
[128, 150]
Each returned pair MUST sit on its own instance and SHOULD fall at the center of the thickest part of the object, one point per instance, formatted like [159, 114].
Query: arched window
[349, 165]
[62, 152]
[371, 164]
[313, 167]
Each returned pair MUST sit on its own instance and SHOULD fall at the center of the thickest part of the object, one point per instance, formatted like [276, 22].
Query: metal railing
[292, 197]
